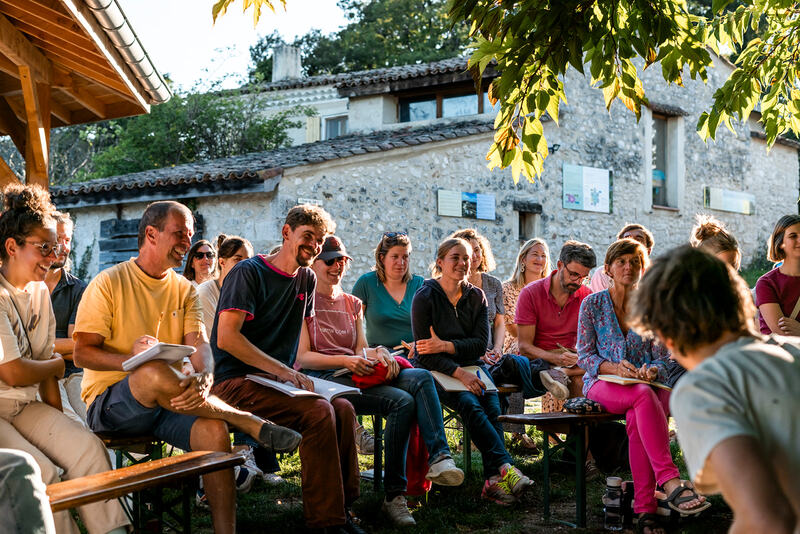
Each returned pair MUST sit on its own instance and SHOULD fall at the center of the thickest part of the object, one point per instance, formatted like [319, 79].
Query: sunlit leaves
[220, 7]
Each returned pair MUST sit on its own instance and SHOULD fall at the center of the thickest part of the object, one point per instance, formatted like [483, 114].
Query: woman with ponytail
[28, 247]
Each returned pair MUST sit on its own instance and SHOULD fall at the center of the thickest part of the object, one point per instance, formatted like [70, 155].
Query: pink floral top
[600, 339]
[510, 296]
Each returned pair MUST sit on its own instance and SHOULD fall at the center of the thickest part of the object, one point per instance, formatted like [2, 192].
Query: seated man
[547, 319]
[261, 309]
[24, 506]
[737, 405]
[133, 305]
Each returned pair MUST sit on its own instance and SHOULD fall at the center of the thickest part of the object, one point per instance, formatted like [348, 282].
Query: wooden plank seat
[574, 426]
[119, 482]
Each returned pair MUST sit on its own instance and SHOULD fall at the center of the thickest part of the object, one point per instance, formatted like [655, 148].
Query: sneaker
[272, 479]
[365, 442]
[445, 473]
[250, 461]
[556, 382]
[278, 439]
[513, 480]
[497, 493]
[244, 478]
[592, 471]
[397, 510]
[201, 500]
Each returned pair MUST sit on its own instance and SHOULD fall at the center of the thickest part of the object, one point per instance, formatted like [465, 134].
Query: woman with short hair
[62, 448]
[778, 291]
[607, 345]
[637, 232]
[451, 331]
[201, 263]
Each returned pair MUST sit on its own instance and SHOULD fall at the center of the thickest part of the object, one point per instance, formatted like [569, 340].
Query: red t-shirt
[332, 329]
[778, 288]
[554, 325]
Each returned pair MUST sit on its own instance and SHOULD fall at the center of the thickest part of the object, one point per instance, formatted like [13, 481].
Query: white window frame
[675, 162]
[335, 118]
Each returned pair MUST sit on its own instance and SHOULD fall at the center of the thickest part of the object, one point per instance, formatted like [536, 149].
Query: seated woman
[778, 291]
[232, 249]
[28, 247]
[333, 339]
[201, 263]
[606, 345]
[451, 330]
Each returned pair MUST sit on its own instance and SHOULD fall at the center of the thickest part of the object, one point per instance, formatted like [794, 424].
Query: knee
[155, 374]
[210, 434]
[322, 412]
[343, 409]
[644, 393]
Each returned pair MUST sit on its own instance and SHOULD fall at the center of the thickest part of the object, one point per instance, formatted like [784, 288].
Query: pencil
[158, 326]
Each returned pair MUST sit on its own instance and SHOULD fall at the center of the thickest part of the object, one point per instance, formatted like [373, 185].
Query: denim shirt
[600, 339]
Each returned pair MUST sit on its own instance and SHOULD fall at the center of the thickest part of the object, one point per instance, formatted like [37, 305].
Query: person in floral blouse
[607, 345]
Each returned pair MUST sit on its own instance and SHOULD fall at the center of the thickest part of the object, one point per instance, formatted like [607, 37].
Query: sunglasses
[48, 248]
[209, 255]
[390, 235]
[331, 261]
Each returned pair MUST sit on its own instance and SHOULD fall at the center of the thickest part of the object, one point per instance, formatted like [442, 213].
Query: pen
[158, 326]
[364, 352]
[478, 374]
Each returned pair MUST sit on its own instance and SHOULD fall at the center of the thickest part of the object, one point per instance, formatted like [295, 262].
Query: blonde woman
[532, 263]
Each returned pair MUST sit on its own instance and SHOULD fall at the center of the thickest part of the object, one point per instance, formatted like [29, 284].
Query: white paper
[449, 203]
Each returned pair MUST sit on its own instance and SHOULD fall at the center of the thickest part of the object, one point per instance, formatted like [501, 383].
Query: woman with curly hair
[28, 247]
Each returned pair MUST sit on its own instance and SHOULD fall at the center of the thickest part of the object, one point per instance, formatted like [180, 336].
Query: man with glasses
[65, 294]
[547, 317]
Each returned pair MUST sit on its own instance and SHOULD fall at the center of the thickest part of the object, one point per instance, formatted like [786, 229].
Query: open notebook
[449, 383]
[322, 388]
[160, 351]
[616, 379]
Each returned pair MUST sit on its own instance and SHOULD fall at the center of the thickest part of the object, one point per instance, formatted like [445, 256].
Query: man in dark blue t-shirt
[261, 309]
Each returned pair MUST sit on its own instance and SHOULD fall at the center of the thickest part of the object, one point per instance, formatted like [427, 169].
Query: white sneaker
[272, 479]
[250, 462]
[556, 382]
[365, 442]
[398, 512]
[445, 473]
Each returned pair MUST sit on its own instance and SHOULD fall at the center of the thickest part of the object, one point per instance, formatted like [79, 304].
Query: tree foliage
[220, 7]
[379, 33]
[535, 42]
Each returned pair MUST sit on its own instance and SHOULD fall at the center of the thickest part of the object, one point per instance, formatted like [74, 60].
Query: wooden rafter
[46, 20]
[11, 126]
[7, 176]
[16, 47]
[76, 88]
[81, 49]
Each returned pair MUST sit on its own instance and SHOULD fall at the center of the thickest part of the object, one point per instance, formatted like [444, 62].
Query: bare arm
[50, 394]
[65, 345]
[749, 486]
[25, 372]
[772, 313]
[231, 340]
[90, 354]
[498, 333]
[531, 351]
[202, 358]
[511, 328]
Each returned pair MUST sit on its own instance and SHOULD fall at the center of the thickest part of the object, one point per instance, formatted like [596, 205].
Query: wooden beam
[99, 78]
[8, 66]
[83, 15]
[7, 176]
[76, 89]
[46, 20]
[83, 48]
[36, 97]
[60, 111]
[16, 47]
[12, 126]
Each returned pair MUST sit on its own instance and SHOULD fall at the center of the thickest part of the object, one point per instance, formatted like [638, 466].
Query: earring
[522, 268]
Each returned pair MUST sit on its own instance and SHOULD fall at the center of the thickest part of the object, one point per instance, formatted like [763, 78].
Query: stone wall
[397, 190]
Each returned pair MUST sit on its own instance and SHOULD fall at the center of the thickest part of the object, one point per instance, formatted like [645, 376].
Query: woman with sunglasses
[334, 339]
[451, 331]
[387, 291]
[201, 263]
[28, 247]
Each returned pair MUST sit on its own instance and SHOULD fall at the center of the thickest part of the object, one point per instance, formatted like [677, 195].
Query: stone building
[396, 149]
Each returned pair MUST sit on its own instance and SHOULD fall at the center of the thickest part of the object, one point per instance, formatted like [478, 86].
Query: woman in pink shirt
[778, 291]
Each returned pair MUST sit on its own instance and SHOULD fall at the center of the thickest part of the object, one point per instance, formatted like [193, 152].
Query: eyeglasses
[575, 277]
[210, 255]
[331, 261]
[390, 235]
[48, 248]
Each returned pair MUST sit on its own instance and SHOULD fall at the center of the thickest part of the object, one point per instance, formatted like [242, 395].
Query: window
[335, 127]
[529, 218]
[443, 104]
[663, 162]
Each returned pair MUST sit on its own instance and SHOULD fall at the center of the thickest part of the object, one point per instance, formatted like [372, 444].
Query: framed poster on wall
[586, 188]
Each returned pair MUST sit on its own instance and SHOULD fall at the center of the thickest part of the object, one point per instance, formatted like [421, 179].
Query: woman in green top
[387, 291]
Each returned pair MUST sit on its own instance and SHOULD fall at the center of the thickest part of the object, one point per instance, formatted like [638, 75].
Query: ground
[460, 509]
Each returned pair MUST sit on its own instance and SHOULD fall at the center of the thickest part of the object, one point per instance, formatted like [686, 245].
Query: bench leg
[377, 475]
[187, 491]
[467, 451]
[546, 475]
[580, 477]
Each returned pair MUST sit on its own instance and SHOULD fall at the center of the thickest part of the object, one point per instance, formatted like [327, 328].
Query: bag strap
[25, 330]
[796, 309]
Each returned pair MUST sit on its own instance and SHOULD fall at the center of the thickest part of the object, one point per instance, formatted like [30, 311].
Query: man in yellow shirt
[130, 307]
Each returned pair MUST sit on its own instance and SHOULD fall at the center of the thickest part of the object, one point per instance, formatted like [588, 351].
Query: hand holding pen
[472, 382]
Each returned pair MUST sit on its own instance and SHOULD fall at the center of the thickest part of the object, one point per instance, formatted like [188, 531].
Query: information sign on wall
[717, 198]
[467, 205]
[586, 188]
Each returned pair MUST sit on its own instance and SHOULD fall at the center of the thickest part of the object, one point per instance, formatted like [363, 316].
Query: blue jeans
[479, 415]
[411, 395]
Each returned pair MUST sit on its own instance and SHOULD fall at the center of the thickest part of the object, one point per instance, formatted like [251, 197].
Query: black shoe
[351, 527]
[278, 439]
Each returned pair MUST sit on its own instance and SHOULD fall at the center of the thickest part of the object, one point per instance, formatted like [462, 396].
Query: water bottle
[612, 504]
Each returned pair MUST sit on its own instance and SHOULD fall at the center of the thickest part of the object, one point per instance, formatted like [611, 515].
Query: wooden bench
[574, 426]
[135, 478]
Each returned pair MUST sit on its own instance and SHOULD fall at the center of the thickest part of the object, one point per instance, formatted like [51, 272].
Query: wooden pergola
[58, 67]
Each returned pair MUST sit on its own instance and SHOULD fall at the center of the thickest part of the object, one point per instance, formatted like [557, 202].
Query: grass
[460, 509]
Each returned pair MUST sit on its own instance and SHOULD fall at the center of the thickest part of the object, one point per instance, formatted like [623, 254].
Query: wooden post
[37, 133]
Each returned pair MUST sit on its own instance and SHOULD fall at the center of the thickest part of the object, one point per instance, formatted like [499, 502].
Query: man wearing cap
[261, 309]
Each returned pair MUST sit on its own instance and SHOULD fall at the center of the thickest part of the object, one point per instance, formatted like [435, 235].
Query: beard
[58, 265]
[303, 261]
[569, 287]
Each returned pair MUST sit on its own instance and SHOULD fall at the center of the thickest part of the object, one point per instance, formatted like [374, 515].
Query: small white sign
[312, 201]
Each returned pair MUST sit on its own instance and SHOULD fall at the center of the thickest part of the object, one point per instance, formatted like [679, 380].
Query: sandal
[526, 442]
[674, 500]
[649, 520]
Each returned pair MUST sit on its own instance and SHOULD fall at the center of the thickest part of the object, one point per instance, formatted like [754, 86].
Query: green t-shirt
[387, 321]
